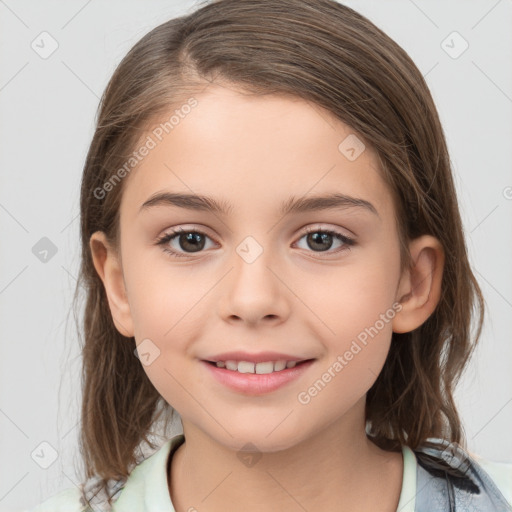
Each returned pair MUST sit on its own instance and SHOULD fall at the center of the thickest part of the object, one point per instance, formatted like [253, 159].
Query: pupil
[194, 239]
[318, 238]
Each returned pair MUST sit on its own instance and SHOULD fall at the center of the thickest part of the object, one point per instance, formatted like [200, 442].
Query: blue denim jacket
[450, 480]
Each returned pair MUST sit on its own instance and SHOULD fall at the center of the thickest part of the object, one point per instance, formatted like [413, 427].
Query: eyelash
[167, 237]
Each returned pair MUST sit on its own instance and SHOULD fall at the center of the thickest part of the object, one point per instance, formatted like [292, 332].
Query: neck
[339, 469]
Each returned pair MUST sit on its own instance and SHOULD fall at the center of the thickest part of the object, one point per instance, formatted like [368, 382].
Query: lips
[254, 383]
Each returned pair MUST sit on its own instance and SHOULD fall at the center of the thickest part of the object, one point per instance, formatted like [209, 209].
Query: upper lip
[260, 357]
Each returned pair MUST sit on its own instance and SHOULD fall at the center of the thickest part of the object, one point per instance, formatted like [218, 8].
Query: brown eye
[182, 242]
[191, 242]
[321, 240]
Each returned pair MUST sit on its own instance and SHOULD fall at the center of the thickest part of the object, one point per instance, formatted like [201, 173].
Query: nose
[253, 292]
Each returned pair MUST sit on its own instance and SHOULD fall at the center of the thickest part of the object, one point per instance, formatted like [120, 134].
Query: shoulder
[487, 481]
[500, 473]
[146, 485]
[67, 500]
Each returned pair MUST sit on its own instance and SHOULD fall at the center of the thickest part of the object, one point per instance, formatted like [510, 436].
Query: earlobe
[108, 267]
[419, 290]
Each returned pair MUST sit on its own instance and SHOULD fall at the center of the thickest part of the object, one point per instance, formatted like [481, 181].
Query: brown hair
[328, 54]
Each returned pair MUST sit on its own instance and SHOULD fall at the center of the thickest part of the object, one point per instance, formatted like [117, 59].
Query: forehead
[242, 149]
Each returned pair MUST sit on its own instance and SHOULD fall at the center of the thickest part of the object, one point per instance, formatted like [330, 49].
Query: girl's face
[254, 280]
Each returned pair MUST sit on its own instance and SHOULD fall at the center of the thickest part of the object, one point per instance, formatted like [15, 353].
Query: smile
[259, 368]
[256, 378]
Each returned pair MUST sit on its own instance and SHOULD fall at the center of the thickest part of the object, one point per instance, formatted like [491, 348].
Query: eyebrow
[333, 201]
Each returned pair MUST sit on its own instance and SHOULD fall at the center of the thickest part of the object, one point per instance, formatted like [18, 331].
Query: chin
[253, 439]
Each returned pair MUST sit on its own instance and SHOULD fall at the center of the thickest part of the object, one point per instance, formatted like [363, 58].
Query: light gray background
[47, 110]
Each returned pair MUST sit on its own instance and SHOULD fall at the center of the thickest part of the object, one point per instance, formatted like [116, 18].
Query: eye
[190, 240]
[322, 240]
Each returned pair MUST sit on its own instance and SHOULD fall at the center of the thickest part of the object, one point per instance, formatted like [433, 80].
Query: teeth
[262, 368]
[245, 367]
[231, 365]
[279, 365]
[259, 368]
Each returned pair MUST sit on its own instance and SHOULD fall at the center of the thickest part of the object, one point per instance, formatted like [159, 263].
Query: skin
[294, 298]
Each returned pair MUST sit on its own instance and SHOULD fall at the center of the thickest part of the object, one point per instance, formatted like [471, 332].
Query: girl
[272, 247]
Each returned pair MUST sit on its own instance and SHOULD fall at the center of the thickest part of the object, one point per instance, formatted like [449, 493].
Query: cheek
[167, 307]
[358, 306]
[359, 317]
[161, 293]
[357, 296]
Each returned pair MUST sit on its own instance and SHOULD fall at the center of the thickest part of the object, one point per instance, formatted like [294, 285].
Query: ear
[419, 289]
[108, 267]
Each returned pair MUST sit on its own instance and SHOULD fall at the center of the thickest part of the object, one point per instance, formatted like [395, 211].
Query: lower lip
[254, 383]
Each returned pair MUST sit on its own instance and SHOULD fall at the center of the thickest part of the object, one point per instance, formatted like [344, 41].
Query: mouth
[257, 368]
[251, 378]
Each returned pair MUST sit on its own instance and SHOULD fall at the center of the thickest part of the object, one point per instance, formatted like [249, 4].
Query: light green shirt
[146, 489]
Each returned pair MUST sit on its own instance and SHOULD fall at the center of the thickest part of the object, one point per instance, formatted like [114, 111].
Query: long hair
[325, 53]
